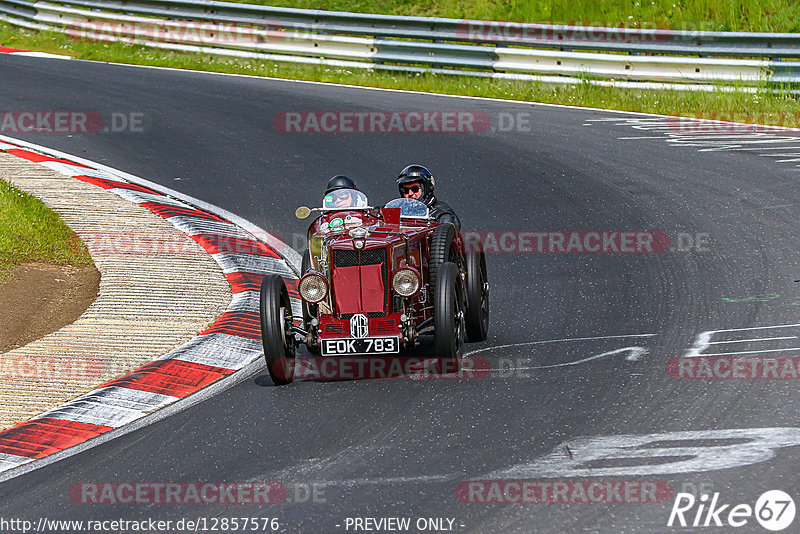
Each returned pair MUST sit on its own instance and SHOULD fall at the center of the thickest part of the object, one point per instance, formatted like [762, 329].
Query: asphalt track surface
[400, 448]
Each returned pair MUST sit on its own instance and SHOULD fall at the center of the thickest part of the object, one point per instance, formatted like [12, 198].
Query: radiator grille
[351, 258]
[385, 326]
[333, 329]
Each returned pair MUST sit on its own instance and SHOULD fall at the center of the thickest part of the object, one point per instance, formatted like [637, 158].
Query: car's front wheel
[276, 329]
[448, 318]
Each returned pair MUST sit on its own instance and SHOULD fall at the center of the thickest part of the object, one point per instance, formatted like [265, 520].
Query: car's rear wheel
[448, 318]
[441, 251]
[477, 296]
[276, 329]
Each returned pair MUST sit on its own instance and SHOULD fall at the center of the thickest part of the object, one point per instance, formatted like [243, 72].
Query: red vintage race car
[373, 280]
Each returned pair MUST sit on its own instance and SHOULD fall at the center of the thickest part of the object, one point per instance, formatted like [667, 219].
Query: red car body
[360, 276]
[373, 280]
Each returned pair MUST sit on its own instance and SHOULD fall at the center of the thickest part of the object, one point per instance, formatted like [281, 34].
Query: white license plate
[370, 345]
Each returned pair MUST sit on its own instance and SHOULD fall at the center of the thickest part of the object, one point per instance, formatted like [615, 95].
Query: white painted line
[753, 328]
[757, 141]
[723, 136]
[655, 454]
[593, 338]
[737, 353]
[637, 137]
[44, 55]
[635, 355]
[750, 340]
[703, 340]
[790, 147]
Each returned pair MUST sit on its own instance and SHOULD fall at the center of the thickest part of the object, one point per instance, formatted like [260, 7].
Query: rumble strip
[30, 53]
[232, 342]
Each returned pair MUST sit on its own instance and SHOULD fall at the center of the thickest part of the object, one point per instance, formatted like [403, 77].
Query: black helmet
[340, 181]
[417, 173]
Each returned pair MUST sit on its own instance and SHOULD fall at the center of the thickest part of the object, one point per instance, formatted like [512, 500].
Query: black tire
[440, 252]
[309, 310]
[448, 319]
[477, 314]
[276, 335]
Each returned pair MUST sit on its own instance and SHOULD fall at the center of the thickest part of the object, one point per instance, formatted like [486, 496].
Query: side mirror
[302, 212]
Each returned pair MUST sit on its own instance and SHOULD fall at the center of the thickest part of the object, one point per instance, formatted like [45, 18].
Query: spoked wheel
[448, 318]
[477, 296]
[276, 329]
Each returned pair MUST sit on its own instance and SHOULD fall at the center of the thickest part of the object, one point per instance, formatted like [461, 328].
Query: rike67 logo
[774, 510]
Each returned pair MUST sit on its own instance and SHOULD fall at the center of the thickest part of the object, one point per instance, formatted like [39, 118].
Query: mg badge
[359, 325]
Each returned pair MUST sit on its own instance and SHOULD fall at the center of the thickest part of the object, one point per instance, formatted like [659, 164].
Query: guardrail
[423, 44]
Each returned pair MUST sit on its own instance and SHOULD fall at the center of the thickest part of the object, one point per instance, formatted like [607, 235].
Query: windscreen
[409, 208]
[344, 198]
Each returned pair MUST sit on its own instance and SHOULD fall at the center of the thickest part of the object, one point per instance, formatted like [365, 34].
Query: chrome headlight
[406, 282]
[313, 287]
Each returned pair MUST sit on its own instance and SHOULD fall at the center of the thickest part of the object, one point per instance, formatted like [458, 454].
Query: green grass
[764, 107]
[30, 232]
[725, 15]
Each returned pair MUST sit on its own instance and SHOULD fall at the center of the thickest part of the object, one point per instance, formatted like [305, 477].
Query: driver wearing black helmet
[338, 193]
[417, 182]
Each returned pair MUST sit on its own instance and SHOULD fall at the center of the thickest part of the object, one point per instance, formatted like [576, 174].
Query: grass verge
[767, 106]
[708, 15]
[31, 232]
